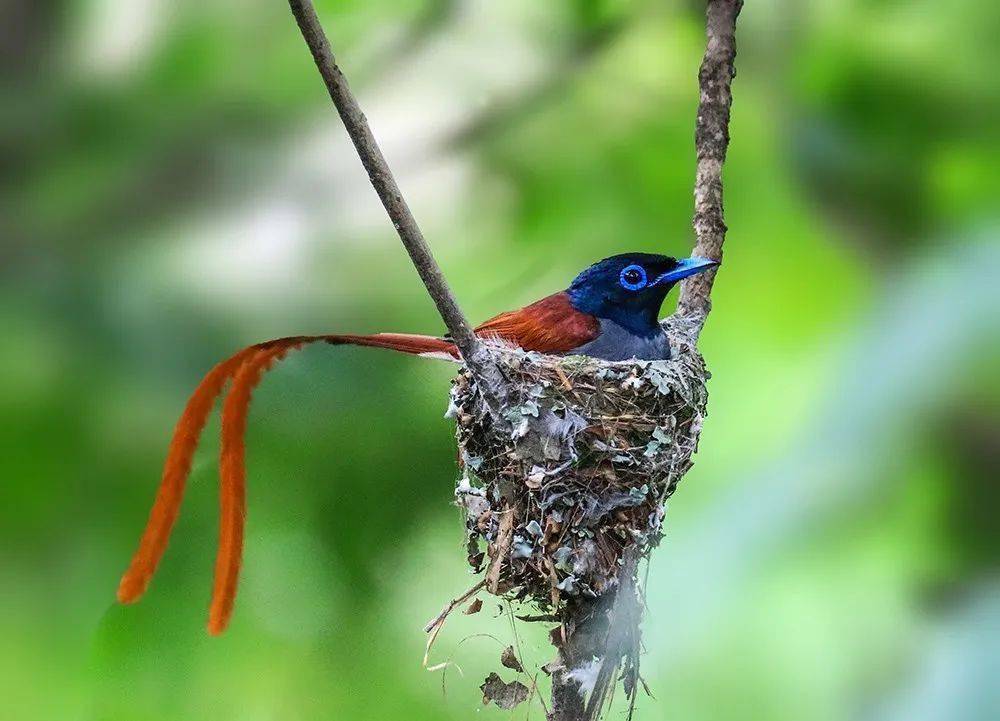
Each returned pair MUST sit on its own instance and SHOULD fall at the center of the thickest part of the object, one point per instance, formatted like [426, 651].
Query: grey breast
[616, 343]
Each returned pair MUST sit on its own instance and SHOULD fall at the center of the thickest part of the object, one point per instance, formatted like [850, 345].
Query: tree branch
[711, 141]
[384, 182]
[608, 627]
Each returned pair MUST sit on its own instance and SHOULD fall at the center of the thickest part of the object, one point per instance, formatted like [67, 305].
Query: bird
[609, 311]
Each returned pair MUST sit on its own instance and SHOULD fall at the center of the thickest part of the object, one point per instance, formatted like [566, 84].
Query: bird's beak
[684, 268]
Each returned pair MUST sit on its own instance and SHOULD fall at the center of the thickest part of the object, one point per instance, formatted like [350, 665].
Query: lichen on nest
[575, 468]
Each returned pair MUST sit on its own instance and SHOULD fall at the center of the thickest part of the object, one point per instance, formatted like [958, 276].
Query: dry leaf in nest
[504, 695]
[509, 659]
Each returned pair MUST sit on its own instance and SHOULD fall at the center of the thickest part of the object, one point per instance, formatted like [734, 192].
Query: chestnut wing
[550, 325]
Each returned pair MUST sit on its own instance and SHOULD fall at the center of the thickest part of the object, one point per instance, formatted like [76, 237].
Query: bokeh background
[174, 184]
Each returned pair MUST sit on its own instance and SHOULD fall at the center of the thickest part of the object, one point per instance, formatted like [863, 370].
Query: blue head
[629, 288]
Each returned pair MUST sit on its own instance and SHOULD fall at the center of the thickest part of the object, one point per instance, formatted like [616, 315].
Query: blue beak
[685, 267]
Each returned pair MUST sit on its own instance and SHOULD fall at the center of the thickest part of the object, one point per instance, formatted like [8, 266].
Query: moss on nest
[575, 468]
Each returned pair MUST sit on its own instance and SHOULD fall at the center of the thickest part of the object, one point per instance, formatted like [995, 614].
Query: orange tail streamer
[175, 473]
[232, 474]
[245, 369]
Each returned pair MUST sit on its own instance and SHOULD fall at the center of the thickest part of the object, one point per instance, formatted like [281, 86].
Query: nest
[573, 472]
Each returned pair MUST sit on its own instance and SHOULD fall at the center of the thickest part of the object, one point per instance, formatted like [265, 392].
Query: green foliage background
[174, 185]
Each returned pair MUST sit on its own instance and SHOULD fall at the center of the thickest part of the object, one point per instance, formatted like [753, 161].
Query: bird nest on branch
[573, 472]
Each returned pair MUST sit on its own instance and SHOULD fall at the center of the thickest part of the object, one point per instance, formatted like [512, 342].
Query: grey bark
[597, 629]
[711, 141]
[602, 627]
[384, 183]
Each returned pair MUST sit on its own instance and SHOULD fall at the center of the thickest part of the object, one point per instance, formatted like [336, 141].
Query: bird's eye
[633, 277]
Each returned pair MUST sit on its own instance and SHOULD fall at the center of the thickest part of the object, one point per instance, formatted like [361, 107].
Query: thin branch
[435, 625]
[450, 606]
[622, 636]
[383, 180]
[611, 632]
[711, 141]
[540, 618]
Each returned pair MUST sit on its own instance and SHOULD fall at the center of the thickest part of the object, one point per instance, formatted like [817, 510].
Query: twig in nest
[505, 534]
[539, 618]
[564, 379]
[434, 626]
[445, 665]
[450, 606]
[538, 692]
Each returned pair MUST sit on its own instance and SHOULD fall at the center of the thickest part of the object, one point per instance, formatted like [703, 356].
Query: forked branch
[592, 631]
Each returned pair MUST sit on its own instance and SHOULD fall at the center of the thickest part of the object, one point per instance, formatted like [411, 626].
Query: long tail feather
[423, 345]
[245, 369]
[175, 472]
[232, 477]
